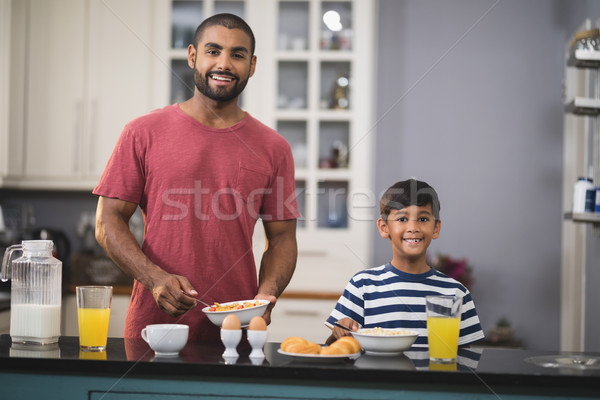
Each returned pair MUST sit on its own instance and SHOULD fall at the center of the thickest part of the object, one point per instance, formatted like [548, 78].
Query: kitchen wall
[469, 100]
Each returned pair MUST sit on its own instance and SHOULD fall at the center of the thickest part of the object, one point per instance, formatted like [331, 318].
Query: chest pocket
[253, 183]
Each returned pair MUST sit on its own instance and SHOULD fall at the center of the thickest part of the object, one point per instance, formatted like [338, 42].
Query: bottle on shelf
[584, 194]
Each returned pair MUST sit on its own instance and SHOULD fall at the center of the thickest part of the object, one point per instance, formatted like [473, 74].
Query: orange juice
[442, 334]
[93, 327]
[442, 366]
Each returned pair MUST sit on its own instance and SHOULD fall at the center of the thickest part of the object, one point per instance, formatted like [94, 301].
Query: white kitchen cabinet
[5, 7]
[300, 317]
[79, 71]
[116, 325]
[581, 157]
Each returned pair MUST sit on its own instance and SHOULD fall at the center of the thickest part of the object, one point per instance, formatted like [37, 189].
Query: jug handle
[5, 272]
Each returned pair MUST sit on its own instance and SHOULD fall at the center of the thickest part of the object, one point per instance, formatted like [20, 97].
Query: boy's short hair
[409, 193]
[229, 21]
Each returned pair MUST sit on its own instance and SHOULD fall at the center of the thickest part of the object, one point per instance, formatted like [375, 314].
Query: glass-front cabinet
[314, 85]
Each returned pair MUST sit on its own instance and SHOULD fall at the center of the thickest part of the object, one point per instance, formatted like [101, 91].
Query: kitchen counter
[129, 370]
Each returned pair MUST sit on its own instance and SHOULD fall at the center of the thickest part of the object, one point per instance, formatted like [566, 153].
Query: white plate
[319, 357]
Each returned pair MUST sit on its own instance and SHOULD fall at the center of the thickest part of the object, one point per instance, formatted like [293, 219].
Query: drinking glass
[93, 313]
[443, 327]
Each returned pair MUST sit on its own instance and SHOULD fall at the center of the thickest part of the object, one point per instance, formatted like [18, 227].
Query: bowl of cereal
[243, 309]
[385, 341]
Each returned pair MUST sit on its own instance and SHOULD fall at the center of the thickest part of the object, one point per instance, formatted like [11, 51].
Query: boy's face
[411, 231]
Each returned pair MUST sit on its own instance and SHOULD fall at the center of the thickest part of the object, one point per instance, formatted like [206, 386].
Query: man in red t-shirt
[202, 172]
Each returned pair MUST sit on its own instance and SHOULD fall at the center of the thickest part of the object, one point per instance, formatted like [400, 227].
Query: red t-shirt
[201, 191]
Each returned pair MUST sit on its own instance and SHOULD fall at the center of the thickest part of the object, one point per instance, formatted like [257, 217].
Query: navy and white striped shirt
[389, 298]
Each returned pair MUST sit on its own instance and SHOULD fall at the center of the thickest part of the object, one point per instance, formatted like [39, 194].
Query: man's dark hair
[409, 193]
[229, 21]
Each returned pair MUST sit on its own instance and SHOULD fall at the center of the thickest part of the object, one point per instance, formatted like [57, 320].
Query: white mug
[166, 339]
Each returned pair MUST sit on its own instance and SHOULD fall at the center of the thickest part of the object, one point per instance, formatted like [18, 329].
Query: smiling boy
[393, 295]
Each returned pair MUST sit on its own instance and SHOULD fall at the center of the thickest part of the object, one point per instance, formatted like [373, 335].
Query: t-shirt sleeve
[470, 327]
[350, 305]
[123, 177]
[279, 201]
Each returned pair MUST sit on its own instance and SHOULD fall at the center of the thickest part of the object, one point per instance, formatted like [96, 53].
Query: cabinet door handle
[78, 134]
[302, 313]
[312, 253]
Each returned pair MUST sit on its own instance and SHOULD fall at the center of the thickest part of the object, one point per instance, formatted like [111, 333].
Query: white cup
[166, 339]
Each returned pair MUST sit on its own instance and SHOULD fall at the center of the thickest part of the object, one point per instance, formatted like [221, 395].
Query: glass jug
[35, 296]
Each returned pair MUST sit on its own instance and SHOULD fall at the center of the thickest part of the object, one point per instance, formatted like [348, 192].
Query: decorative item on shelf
[584, 193]
[588, 40]
[456, 269]
[339, 155]
[502, 335]
[340, 94]
[584, 43]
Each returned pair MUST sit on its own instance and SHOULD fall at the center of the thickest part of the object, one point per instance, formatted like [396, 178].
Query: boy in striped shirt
[393, 295]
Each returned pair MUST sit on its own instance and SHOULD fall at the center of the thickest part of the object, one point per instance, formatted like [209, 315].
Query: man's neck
[212, 113]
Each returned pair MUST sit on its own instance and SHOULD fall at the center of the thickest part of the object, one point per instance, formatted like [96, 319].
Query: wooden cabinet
[79, 71]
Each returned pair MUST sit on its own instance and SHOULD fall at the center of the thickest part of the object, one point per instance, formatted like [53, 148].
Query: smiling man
[202, 172]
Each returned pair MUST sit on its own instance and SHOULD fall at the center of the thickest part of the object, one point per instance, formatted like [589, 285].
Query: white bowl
[386, 343]
[245, 314]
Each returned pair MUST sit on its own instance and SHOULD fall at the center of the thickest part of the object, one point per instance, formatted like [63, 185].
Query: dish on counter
[319, 358]
[385, 342]
[244, 314]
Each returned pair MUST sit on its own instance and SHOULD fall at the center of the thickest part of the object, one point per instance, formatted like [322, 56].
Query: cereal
[233, 306]
[385, 332]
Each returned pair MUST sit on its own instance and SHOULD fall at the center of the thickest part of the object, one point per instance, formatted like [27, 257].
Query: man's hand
[267, 315]
[173, 294]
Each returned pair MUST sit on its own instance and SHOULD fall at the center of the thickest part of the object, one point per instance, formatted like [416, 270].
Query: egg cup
[230, 338]
[257, 340]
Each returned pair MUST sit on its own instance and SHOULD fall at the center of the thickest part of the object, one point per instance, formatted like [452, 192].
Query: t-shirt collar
[410, 277]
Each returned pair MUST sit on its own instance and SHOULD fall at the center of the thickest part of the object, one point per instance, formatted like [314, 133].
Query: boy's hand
[338, 332]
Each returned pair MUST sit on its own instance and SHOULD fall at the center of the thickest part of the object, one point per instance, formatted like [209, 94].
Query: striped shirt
[389, 298]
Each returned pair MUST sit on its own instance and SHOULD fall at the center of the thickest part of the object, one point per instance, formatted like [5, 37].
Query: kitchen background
[468, 98]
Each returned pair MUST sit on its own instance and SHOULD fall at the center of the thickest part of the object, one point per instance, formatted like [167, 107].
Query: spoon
[343, 327]
[197, 300]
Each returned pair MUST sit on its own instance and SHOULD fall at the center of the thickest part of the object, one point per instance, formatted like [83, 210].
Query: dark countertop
[488, 369]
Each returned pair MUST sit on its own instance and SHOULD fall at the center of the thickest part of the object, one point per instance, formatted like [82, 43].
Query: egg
[231, 323]
[257, 324]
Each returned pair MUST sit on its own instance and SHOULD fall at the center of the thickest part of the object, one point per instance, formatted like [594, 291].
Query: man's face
[223, 63]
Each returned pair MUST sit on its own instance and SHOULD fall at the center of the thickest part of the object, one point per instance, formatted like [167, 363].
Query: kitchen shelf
[583, 106]
[584, 59]
[583, 217]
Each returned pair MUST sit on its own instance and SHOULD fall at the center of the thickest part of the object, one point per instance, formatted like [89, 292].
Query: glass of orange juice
[443, 327]
[93, 313]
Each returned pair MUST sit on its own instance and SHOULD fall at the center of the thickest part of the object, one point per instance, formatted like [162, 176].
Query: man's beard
[219, 94]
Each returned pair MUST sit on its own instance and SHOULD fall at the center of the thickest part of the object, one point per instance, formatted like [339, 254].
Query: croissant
[296, 344]
[344, 345]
